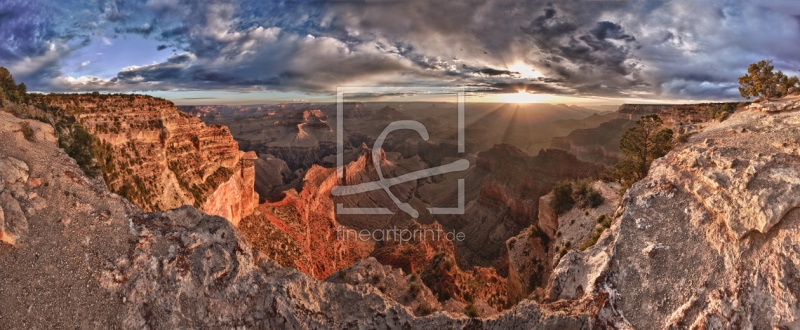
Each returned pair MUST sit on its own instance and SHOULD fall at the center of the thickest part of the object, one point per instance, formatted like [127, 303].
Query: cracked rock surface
[709, 239]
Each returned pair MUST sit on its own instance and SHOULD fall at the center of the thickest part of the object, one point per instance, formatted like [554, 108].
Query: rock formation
[388, 113]
[302, 231]
[785, 104]
[635, 111]
[708, 239]
[509, 194]
[91, 259]
[534, 253]
[599, 144]
[301, 138]
[529, 266]
[161, 158]
[273, 176]
[18, 201]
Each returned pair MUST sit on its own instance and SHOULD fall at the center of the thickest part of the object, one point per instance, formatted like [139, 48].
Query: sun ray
[523, 97]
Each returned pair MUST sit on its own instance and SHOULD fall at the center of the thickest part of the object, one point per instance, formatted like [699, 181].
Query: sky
[261, 51]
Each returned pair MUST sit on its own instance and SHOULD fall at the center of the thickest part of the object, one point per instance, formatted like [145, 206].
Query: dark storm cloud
[640, 48]
[563, 40]
[495, 72]
[24, 30]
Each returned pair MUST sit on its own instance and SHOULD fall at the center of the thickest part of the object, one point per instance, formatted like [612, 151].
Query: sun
[523, 97]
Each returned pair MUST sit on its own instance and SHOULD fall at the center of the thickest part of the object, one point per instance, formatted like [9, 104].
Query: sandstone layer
[162, 158]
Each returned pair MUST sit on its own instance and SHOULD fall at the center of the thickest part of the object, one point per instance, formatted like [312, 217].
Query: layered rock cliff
[91, 259]
[635, 111]
[301, 138]
[160, 158]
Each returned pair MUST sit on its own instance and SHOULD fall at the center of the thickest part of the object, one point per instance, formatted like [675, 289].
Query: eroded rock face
[709, 239]
[190, 269]
[404, 288]
[235, 199]
[534, 253]
[163, 158]
[529, 263]
[510, 191]
[272, 176]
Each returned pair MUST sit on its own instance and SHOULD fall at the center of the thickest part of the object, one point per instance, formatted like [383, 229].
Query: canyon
[705, 240]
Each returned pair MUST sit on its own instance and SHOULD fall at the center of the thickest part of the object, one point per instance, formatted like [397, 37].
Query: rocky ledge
[709, 239]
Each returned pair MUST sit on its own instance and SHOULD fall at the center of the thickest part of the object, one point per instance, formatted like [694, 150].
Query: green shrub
[535, 231]
[683, 138]
[471, 311]
[448, 264]
[424, 309]
[562, 197]
[26, 130]
[582, 187]
[79, 145]
[414, 289]
[605, 223]
[594, 198]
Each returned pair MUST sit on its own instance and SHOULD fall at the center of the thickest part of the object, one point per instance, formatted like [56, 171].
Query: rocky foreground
[709, 239]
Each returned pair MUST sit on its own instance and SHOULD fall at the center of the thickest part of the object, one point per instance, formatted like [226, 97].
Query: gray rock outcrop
[709, 239]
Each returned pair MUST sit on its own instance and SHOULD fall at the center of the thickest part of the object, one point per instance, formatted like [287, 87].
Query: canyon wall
[534, 253]
[160, 158]
[508, 201]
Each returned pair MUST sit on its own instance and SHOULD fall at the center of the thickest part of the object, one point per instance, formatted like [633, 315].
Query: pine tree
[641, 145]
[761, 82]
